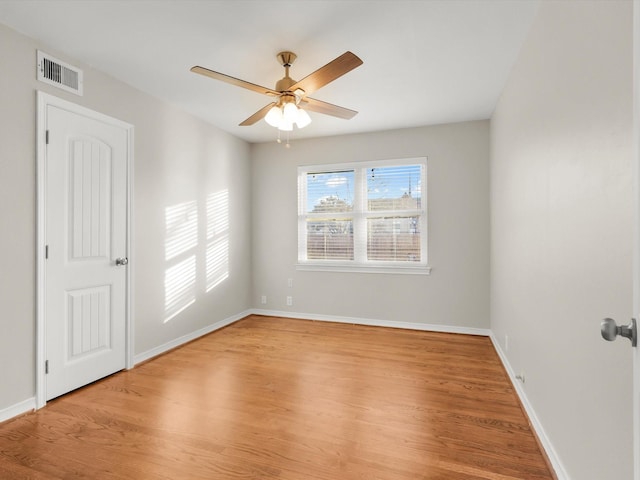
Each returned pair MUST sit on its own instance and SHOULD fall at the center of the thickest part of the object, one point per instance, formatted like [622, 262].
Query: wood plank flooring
[275, 398]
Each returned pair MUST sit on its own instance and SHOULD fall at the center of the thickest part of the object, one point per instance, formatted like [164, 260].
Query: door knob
[610, 330]
[121, 261]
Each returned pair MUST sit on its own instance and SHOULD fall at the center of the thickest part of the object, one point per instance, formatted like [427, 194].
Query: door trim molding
[635, 162]
[43, 101]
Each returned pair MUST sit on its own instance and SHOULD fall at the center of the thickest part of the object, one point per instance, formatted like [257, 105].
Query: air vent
[60, 74]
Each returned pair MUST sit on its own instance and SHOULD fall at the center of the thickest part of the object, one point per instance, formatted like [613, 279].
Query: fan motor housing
[284, 83]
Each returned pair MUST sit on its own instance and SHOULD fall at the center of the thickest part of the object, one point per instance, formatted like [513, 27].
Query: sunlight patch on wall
[179, 287]
[181, 229]
[181, 239]
[217, 213]
[195, 262]
[217, 260]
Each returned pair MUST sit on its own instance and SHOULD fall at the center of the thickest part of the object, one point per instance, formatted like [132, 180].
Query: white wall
[177, 159]
[561, 215]
[455, 294]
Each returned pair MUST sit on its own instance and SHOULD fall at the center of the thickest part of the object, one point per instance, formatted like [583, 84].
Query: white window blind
[329, 215]
[363, 215]
[394, 209]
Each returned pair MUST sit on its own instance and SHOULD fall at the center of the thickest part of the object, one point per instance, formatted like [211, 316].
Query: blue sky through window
[394, 182]
[321, 186]
[383, 182]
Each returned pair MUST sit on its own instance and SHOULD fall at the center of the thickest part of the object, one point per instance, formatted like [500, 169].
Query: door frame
[635, 165]
[43, 101]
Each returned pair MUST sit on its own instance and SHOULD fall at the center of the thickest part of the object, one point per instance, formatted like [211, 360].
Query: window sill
[350, 268]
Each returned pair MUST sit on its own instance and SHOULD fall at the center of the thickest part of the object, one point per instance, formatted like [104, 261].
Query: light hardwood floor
[275, 398]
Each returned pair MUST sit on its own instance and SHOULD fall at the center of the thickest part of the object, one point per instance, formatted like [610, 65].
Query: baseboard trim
[159, 350]
[25, 406]
[375, 322]
[545, 442]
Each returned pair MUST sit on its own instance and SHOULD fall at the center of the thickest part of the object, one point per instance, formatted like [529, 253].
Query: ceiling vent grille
[60, 74]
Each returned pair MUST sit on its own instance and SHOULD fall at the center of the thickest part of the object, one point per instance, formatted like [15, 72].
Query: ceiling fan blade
[259, 115]
[233, 81]
[332, 70]
[319, 106]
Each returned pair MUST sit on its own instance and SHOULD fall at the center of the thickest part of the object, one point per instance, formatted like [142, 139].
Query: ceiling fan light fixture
[303, 118]
[290, 112]
[274, 117]
[284, 117]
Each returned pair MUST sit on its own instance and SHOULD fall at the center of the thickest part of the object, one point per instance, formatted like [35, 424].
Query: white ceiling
[425, 62]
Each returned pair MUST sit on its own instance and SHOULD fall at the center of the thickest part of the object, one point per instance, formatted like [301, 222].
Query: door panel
[86, 230]
[88, 326]
[90, 165]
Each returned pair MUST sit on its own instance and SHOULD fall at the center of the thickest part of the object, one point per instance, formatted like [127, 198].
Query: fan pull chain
[279, 140]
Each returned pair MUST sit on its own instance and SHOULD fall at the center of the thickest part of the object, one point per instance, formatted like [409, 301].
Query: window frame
[359, 217]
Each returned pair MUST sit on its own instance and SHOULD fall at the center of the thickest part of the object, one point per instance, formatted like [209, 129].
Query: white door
[85, 232]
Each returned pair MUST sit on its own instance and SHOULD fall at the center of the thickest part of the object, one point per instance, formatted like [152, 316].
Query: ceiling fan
[290, 96]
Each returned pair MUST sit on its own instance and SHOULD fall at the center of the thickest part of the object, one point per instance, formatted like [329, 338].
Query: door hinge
[46, 367]
[46, 252]
[46, 137]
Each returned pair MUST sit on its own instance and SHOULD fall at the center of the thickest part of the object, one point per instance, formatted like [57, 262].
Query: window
[363, 216]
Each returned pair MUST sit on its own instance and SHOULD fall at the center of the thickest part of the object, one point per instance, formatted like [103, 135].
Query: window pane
[393, 239]
[330, 192]
[330, 239]
[394, 188]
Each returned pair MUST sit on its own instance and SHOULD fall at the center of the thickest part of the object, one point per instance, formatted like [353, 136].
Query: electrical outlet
[263, 300]
[289, 301]
[290, 282]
